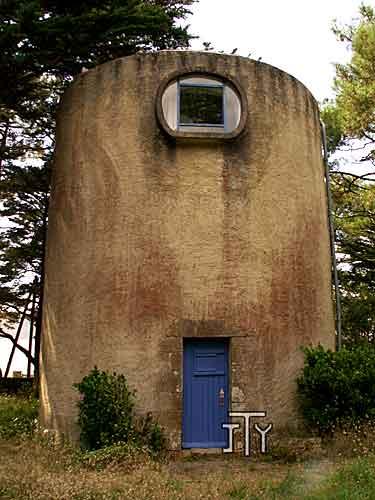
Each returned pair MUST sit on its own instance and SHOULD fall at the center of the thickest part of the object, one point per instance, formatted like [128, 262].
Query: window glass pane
[201, 105]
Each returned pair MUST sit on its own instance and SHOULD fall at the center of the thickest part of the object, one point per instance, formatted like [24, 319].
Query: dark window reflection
[201, 105]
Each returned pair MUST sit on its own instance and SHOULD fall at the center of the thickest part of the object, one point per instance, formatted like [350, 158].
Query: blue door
[205, 394]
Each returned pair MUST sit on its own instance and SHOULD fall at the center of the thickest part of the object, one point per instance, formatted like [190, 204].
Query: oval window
[201, 104]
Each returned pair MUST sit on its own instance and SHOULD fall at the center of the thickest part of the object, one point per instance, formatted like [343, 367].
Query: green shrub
[106, 415]
[337, 386]
[18, 416]
[105, 410]
[149, 433]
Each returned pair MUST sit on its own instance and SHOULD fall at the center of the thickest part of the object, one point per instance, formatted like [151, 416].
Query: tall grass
[17, 416]
[355, 481]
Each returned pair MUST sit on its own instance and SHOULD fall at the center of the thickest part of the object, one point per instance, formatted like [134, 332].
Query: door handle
[221, 397]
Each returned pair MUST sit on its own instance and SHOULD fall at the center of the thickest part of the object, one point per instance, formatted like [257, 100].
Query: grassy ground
[31, 468]
[17, 416]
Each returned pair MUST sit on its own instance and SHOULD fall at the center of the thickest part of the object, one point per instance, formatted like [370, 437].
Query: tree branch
[10, 337]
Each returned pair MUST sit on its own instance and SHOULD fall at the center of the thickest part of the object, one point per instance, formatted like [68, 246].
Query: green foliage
[331, 117]
[149, 433]
[106, 415]
[350, 116]
[337, 386]
[355, 81]
[17, 416]
[355, 223]
[105, 410]
[350, 123]
[59, 37]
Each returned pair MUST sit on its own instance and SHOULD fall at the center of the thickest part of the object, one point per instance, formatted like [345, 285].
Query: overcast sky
[294, 35]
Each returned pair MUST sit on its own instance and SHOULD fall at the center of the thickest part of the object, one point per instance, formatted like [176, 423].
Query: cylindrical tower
[188, 241]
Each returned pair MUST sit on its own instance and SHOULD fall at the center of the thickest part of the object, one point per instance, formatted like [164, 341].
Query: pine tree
[350, 121]
[355, 223]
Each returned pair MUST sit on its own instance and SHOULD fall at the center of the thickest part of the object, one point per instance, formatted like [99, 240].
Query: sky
[19, 362]
[293, 35]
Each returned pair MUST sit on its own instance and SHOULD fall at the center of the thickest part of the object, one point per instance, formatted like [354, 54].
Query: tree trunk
[32, 320]
[3, 145]
[38, 323]
[15, 343]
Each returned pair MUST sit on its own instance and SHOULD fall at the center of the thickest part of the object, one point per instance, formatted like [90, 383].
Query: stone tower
[188, 241]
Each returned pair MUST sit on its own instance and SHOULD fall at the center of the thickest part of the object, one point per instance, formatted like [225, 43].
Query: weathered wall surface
[151, 241]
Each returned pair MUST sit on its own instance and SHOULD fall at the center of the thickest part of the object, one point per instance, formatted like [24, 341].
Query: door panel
[205, 394]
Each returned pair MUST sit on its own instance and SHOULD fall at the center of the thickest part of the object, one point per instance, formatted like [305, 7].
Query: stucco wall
[151, 240]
